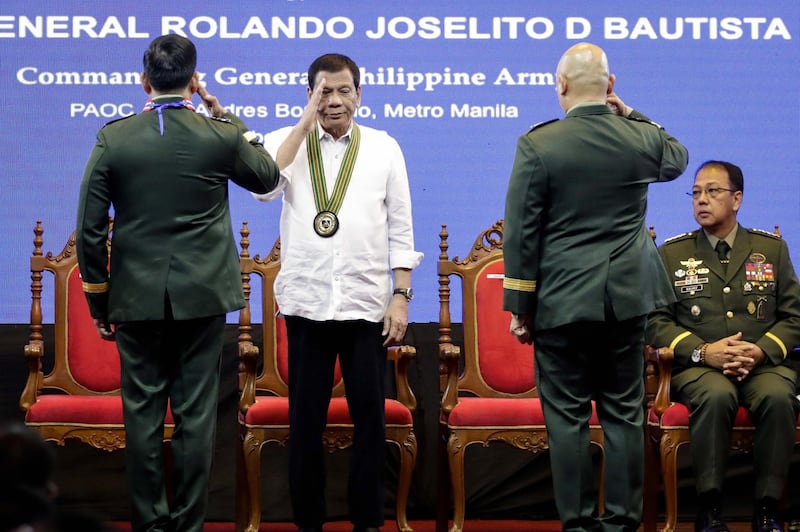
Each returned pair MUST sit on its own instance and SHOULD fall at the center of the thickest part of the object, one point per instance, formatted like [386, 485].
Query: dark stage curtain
[502, 482]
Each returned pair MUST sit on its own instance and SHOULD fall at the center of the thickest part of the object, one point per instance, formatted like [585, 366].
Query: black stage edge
[502, 482]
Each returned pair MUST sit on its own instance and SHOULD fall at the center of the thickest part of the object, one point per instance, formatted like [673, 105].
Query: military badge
[751, 308]
[695, 310]
[759, 271]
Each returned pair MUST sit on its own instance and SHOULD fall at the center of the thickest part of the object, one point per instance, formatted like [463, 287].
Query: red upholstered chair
[264, 403]
[668, 430]
[72, 392]
[489, 391]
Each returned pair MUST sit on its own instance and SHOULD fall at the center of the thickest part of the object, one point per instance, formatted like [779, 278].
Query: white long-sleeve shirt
[348, 275]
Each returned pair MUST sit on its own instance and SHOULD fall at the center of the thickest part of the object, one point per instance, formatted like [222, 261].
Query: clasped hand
[734, 356]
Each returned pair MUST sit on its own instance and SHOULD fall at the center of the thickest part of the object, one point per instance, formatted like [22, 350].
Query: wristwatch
[408, 293]
[699, 354]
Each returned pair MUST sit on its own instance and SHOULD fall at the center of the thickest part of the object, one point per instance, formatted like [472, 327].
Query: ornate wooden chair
[73, 392]
[264, 403]
[668, 430]
[489, 391]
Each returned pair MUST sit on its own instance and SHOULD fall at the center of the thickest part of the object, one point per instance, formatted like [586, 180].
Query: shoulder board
[682, 236]
[540, 124]
[644, 120]
[761, 232]
[118, 119]
[221, 119]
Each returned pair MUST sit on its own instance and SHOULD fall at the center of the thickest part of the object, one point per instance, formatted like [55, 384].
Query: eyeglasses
[712, 192]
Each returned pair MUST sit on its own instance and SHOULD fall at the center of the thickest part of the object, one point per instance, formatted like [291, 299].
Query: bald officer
[581, 273]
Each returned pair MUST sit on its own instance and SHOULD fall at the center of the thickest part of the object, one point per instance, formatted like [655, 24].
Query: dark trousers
[179, 362]
[713, 400]
[575, 364]
[313, 348]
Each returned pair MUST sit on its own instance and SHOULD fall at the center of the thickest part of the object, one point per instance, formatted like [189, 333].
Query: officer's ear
[194, 84]
[146, 83]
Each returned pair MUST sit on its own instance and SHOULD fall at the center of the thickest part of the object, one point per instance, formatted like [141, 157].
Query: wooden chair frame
[59, 379]
[455, 380]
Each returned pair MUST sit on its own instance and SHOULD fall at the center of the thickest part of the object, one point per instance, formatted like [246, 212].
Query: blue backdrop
[455, 82]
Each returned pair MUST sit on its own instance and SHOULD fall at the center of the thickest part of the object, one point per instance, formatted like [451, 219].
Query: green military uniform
[174, 273]
[759, 295]
[580, 262]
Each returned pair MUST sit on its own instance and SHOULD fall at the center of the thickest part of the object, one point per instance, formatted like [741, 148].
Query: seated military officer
[736, 319]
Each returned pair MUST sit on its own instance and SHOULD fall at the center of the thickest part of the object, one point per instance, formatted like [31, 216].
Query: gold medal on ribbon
[326, 222]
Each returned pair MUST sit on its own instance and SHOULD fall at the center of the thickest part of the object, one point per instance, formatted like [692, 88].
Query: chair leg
[601, 484]
[242, 492]
[652, 472]
[251, 455]
[408, 457]
[443, 486]
[669, 472]
[455, 452]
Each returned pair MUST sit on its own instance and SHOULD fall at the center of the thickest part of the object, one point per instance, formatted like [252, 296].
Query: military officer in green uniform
[581, 274]
[173, 275]
[736, 319]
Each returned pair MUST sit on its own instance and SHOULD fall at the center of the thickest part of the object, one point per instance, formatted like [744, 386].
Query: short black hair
[333, 63]
[169, 62]
[734, 172]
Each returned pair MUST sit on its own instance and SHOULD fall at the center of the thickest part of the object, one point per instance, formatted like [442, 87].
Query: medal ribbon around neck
[158, 107]
[321, 200]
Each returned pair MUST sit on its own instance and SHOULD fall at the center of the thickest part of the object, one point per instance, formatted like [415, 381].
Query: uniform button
[726, 290]
[729, 314]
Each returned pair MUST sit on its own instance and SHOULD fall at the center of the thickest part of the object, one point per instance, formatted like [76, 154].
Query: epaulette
[682, 236]
[221, 119]
[763, 233]
[540, 124]
[644, 120]
[117, 120]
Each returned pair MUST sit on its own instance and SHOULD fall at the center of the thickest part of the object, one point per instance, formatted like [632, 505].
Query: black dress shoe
[765, 522]
[710, 520]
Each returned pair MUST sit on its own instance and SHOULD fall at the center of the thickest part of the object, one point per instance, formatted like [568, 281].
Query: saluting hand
[308, 120]
[617, 105]
[212, 103]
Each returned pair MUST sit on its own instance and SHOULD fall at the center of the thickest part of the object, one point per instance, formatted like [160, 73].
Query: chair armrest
[449, 356]
[402, 355]
[34, 351]
[248, 363]
[663, 357]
